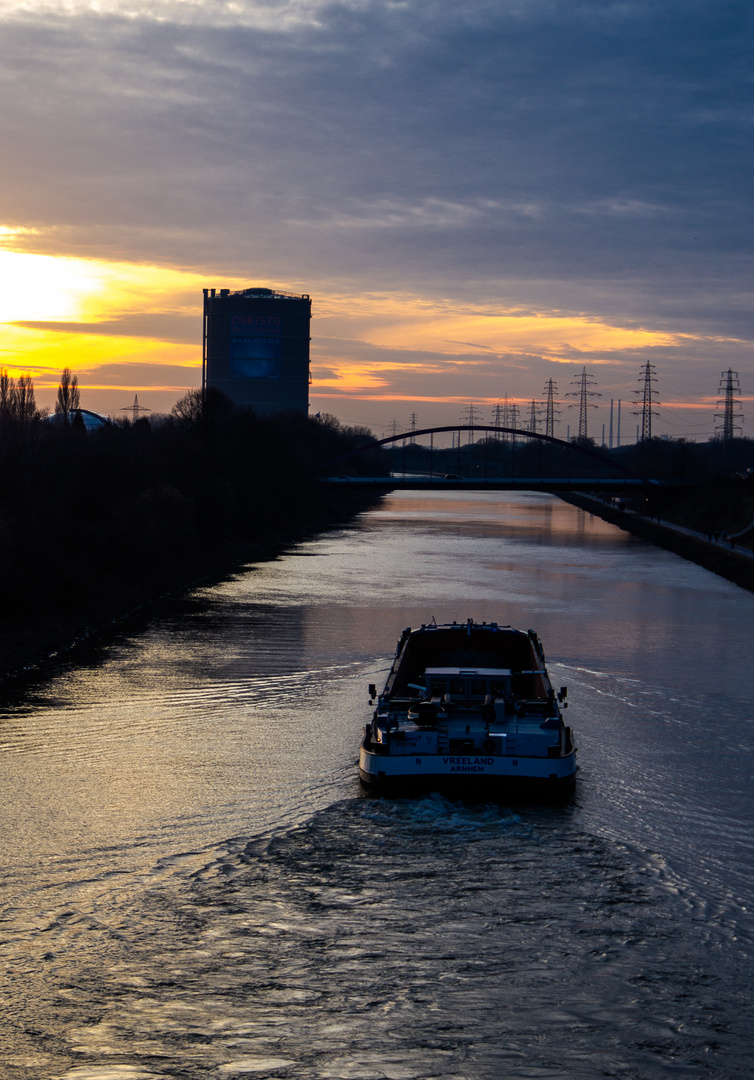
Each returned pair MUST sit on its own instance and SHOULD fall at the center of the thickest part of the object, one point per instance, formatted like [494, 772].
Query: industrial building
[256, 348]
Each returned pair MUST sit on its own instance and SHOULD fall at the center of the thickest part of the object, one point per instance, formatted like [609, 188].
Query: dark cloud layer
[159, 325]
[589, 156]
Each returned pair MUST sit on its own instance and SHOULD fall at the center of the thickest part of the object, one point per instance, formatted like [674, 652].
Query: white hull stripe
[420, 765]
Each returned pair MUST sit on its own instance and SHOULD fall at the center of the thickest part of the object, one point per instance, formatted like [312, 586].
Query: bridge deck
[497, 483]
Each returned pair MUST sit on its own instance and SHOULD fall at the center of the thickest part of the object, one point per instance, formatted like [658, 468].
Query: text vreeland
[467, 764]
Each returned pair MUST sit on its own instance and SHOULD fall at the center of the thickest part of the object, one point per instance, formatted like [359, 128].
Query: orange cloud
[44, 354]
[44, 289]
[410, 322]
[124, 326]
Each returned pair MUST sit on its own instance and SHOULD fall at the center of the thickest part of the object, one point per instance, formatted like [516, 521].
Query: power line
[506, 417]
[534, 410]
[583, 382]
[648, 399]
[550, 391]
[731, 416]
[514, 419]
[471, 416]
[135, 409]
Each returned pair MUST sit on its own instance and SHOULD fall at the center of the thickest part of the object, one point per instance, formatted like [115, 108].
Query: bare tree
[188, 410]
[7, 393]
[24, 406]
[207, 412]
[68, 395]
[331, 421]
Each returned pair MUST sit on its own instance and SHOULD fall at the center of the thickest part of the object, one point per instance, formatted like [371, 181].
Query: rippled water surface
[193, 885]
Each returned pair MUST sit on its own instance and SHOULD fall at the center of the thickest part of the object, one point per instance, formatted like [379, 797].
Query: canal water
[193, 885]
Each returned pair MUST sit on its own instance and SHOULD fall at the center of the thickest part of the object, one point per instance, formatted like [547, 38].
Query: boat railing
[534, 707]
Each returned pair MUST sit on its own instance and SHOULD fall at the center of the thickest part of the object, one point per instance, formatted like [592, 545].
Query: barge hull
[495, 788]
[553, 777]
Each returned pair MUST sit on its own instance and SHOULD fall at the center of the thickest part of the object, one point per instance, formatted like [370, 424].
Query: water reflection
[233, 718]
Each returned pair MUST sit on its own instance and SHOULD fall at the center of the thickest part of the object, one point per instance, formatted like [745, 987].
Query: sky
[478, 195]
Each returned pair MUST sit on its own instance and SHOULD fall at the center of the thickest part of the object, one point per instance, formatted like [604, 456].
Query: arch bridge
[619, 477]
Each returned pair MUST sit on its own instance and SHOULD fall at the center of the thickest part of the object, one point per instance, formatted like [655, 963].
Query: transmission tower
[648, 399]
[497, 419]
[135, 409]
[731, 415]
[413, 426]
[550, 391]
[506, 418]
[534, 409]
[514, 418]
[471, 416]
[583, 382]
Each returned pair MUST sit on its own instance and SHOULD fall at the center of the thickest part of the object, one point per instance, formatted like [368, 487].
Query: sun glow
[79, 313]
[131, 327]
[44, 287]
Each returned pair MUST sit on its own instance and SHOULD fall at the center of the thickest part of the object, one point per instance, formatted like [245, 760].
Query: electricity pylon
[135, 409]
[471, 416]
[514, 418]
[732, 419]
[648, 399]
[550, 391]
[583, 381]
[533, 417]
[506, 417]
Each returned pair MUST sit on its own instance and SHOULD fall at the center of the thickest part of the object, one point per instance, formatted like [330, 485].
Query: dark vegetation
[723, 507]
[708, 487]
[674, 461]
[95, 524]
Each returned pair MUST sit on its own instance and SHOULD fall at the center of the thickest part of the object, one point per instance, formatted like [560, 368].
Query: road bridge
[577, 462]
[394, 482]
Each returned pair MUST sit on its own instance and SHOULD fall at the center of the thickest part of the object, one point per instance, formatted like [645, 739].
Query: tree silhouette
[23, 405]
[68, 395]
[7, 393]
[204, 412]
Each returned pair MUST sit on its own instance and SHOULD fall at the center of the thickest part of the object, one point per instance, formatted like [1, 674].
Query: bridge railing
[578, 448]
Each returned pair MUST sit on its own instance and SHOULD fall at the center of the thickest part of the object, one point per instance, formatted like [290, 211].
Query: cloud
[584, 160]
[134, 375]
[160, 325]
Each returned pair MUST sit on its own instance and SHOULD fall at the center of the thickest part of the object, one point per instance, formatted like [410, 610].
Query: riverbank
[735, 563]
[41, 637]
[95, 527]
